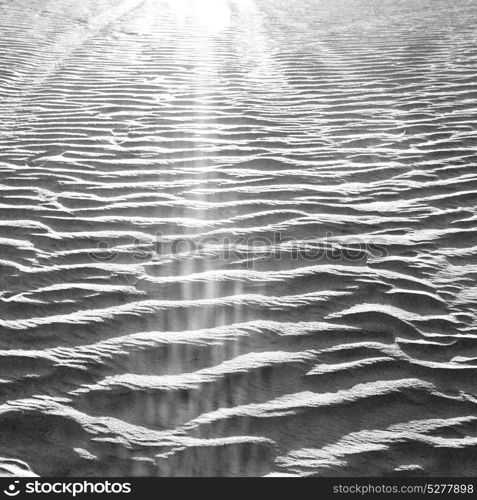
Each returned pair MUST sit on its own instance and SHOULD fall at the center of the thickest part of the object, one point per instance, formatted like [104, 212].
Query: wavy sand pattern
[345, 126]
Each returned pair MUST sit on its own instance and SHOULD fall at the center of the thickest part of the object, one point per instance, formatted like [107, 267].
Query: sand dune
[238, 237]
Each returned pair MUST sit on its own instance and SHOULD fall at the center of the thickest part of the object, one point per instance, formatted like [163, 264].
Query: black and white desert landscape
[238, 237]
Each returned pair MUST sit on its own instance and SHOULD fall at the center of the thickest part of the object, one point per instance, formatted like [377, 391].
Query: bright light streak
[213, 15]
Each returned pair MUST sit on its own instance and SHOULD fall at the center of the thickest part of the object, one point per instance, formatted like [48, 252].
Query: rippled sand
[345, 127]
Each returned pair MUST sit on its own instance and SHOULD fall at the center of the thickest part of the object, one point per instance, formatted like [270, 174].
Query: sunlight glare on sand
[213, 15]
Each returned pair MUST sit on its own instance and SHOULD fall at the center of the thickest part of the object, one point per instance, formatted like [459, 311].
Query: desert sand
[238, 237]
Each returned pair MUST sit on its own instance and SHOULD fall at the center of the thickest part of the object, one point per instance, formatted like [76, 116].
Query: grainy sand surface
[346, 127]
